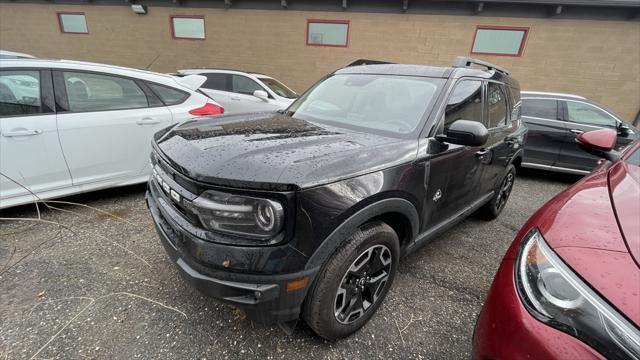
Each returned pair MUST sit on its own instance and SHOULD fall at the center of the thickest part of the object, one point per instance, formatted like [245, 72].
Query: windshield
[279, 88]
[387, 103]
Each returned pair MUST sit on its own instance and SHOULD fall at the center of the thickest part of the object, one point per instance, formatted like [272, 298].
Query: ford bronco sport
[306, 212]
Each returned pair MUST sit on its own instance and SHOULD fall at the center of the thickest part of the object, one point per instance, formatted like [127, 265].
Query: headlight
[240, 215]
[555, 295]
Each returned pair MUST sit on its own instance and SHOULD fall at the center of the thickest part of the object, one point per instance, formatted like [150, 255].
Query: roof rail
[367, 62]
[463, 61]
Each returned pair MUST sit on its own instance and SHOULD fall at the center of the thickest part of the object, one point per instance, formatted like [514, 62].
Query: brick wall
[596, 59]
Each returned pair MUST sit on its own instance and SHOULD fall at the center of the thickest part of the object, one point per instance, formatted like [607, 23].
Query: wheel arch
[400, 214]
[516, 159]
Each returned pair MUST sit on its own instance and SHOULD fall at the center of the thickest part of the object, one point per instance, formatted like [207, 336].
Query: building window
[328, 33]
[499, 40]
[72, 23]
[188, 27]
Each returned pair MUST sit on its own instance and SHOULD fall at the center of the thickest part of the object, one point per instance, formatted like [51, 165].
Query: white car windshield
[388, 103]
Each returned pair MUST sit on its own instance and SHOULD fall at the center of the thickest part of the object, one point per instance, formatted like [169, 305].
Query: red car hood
[624, 182]
[581, 225]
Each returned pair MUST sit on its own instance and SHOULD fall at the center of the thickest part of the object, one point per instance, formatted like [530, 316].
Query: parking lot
[94, 282]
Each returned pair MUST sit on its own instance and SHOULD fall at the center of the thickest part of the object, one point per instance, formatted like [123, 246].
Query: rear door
[496, 150]
[547, 132]
[107, 125]
[30, 153]
[580, 117]
[218, 87]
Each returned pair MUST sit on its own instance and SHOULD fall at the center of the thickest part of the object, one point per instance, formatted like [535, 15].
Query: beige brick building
[592, 51]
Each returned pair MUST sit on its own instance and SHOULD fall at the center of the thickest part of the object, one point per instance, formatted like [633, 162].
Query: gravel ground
[85, 284]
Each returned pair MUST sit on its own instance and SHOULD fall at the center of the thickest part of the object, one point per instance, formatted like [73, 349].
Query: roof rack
[367, 62]
[463, 61]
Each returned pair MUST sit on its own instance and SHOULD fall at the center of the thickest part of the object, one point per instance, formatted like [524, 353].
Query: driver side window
[587, 114]
[465, 102]
[244, 85]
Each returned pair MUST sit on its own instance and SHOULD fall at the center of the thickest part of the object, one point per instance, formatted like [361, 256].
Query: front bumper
[264, 297]
[506, 330]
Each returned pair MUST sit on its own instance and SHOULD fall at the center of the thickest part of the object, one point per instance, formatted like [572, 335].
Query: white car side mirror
[261, 94]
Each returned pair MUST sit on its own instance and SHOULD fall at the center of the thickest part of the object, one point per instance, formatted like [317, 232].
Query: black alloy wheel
[362, 284]
[353, 282]
[504, 191]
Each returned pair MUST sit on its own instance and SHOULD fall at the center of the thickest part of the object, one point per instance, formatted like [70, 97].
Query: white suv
[241, 92]
[68, 127]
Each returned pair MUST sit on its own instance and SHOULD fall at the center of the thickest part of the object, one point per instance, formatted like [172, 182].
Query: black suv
[308, 211]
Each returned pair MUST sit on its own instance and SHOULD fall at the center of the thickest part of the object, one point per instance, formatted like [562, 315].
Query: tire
[327, 308]
[494, 207]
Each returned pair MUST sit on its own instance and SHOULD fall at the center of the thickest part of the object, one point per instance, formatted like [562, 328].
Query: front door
[31, 159]
[582, 117]
[243, 88]
[546, 131]
[107, 129]
[455, 170]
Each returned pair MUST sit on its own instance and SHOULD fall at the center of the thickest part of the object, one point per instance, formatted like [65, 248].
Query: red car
[569, 285]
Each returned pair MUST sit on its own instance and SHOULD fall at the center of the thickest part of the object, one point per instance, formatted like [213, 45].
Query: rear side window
[217, 82]
[20, 93]
[465, 102]
[168, 95]
[497, 105]
[516, 103]
[244, 85]
[540, 108]
[95, 92]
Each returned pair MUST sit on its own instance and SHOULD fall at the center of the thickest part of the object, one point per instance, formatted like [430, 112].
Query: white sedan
[68, 127]
[239, 91]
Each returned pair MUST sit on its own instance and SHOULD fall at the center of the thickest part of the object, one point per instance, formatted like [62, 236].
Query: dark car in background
[555, 119]
[569, 285]
[307, 211]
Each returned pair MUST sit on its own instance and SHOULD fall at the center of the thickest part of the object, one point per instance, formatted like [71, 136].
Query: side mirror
[623, 129]
[599, 143]
[465, 132]
[261, 94]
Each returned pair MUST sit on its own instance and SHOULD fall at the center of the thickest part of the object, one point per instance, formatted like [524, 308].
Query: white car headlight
[555, 295]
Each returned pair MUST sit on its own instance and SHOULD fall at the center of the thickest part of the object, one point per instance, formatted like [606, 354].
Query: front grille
[169, 185]
[177, 177]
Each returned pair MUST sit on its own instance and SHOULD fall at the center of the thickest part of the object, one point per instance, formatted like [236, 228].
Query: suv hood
[275, 151]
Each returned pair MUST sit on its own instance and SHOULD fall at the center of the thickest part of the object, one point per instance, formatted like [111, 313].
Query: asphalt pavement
[94, 282]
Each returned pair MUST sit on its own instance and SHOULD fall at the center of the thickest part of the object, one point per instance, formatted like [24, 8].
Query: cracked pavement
[87, 284]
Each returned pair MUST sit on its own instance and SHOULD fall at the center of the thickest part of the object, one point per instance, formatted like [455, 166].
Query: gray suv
[554, 120]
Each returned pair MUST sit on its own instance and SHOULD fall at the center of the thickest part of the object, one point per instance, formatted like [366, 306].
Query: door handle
[576, 131]
[147, 121]
[482, 153]
[235, 98]
[21, 132]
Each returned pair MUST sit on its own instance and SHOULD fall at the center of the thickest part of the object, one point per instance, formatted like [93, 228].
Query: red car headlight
[555, 295]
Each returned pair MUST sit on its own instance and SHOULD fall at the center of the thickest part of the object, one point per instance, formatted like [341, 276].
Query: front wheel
[353, 283]
[494, 207]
